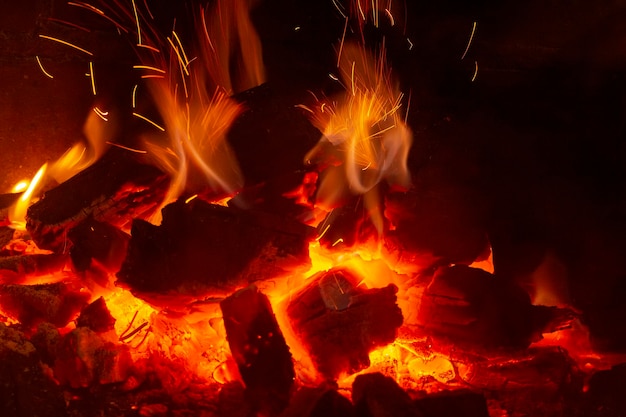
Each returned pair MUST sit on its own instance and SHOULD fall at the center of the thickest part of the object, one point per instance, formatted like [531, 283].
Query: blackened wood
[340, 322]
[476, 309]
[6, 235]
[259, 348]
[376, 395]
[25, 391]
[56, 303]
[84, 358]
[16, 269]
[606, 396]
[7, 200]
[461, 403]
[97, 241]
[440, 220]
[96, 316]
[116, 189]
[202, 248]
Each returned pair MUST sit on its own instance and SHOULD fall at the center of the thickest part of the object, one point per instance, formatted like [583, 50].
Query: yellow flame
[364, 131]
[230, 36]
[17, 214]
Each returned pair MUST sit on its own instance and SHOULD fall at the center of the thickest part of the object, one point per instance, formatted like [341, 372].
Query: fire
[194, 100]
[366, 141]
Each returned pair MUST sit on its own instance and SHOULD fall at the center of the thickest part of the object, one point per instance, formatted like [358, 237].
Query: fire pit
[299, 209]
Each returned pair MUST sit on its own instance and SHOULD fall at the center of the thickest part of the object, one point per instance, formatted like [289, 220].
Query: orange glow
[366, 140]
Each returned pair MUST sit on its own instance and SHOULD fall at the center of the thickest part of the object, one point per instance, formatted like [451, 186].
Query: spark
[333, 76]
[162, 129]
[137, 21]
[102, 114]
[46, 73]
[86, 6]
[181, 49]
[66, 43]
[410, 43]
[98, 12]
[148, 67]
[206, 30]
[145, 3]
[152, 76]
[469, 42]
[70, 24]
[338, 241]
[180, 58]
[303, 107]
[152, 48]
[408, 106]
[352, 78]
[360, 9]
[475, 71]
[125, 147]
[343, 38]
[339, 9]
[93, 79]
[190, 199]
[393, 22]
[323, 233]
[135, 96]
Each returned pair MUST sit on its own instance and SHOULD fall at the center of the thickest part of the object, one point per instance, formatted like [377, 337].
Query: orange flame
[194, 102]
[364, 131]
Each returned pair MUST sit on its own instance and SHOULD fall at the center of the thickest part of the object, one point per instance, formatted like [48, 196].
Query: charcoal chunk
[376, 395]
[259, 348]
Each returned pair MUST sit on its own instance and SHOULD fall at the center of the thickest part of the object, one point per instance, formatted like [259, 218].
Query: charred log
[376, 395]
[201, 248]
[259, 348]
[55, 303]
[84, 358]
[97, 241]
[15, 269]
[341, 323]
[96, 316]
[116, 189]
[25, 390]
[475, 309]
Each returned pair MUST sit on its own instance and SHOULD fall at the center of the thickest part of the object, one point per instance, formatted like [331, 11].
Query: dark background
[532, 150]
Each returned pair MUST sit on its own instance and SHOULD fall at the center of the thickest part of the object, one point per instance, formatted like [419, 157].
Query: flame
[365, 138]
[194, 101]
[98, 133]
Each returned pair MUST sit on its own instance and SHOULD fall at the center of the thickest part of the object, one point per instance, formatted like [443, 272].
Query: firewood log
[259, 348]
[377, 395]
[201, 248]
[475, 309]
[340, 322]
[56, 303]
[116, 189]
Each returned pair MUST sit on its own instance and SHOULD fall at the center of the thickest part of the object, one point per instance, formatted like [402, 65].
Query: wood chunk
[441, 221]
[461, 403]
[340, 322]
[97, 241]
[96, 316]
[46, 340]
[259, 348]
[55, 303]
[476, 309]
[25, 391]
[607, 392]
[16, 269]
[116, 189]
[84, 358]
[376, 395]
[202, 248]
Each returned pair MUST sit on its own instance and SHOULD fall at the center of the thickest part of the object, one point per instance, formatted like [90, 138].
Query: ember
[257, 224]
